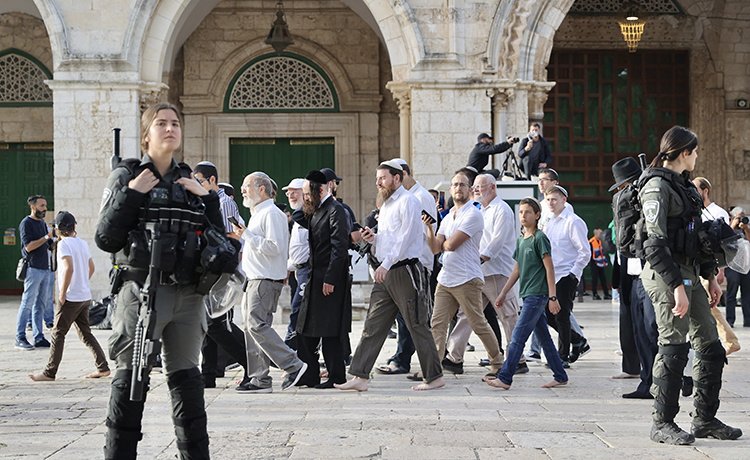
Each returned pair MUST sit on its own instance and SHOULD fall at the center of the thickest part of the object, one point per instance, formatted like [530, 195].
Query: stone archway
[170, 22]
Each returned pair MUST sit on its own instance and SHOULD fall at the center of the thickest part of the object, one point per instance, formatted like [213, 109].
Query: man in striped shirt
[221, 331]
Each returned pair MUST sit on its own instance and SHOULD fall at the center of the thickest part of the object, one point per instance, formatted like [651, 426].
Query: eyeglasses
[200, 181]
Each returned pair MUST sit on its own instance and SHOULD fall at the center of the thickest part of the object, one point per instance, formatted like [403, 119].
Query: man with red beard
[326, 309]
[400, 283]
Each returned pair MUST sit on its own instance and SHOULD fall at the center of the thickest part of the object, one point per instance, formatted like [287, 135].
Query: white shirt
[547, 213]
[498, 238]
[266, 243]
[428, 204]
[634, 266]
[400, 234]
[78, 251]
[713, 211]
[567, 235]
[299, 247]
[462, 265]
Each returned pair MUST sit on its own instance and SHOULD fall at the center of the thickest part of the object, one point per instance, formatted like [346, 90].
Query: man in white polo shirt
[461, 279]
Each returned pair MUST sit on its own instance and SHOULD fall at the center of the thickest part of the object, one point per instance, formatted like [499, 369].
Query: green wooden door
[282, 159]
[27, 170]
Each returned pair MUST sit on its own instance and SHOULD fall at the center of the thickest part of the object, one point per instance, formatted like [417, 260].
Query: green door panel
[282, 159]
[27, 170]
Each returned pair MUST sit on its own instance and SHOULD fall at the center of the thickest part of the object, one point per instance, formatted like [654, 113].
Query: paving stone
[467, 419]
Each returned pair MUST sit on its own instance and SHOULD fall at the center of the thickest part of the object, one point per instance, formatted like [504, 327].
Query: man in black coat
[534, 152]
[480, 154]
[326, 310]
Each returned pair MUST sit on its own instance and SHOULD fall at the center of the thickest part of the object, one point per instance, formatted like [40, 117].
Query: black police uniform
[180, 317]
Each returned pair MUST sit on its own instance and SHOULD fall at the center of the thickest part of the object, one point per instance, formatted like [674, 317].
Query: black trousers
[566, 293]
[598, 275]
[222, 332]
[644, 331]
[333, 349]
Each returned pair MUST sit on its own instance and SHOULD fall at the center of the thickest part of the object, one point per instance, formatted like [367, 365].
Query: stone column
[446, 118]
[402, 96]
[538, 92]
[501, 98]
[85, 111]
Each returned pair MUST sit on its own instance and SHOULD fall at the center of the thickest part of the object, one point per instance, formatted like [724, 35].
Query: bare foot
[497, 383]
[98, 374]
[324, 374]
[554, 384]
[356, 384]
[434, 385]
[41, 378]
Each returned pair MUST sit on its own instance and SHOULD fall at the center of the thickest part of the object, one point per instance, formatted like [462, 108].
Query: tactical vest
[682, 230]
[180, 219]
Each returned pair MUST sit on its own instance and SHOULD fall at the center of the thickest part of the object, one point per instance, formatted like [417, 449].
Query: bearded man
[400, 282]
[326, 310]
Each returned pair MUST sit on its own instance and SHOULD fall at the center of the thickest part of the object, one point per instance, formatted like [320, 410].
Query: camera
[513, 140]
[744, 220]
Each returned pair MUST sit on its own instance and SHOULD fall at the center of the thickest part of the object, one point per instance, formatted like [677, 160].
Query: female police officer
[671, 217]
[159, 192]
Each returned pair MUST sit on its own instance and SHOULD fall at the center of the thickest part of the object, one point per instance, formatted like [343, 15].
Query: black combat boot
[189, 414]
[123, 419]
[709, 364]
[667, 383]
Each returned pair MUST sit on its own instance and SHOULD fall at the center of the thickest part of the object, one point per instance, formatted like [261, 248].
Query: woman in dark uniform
[140, 194]
[671, 218]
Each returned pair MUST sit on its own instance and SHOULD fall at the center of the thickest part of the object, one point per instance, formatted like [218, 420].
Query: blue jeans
[303, 276]
[532, 319]
[37, 296]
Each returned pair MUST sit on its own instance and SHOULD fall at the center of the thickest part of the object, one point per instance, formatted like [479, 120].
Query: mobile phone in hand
[430, 219]
[233, 221]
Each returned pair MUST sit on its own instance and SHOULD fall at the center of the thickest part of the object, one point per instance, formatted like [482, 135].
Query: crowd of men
[440, 272]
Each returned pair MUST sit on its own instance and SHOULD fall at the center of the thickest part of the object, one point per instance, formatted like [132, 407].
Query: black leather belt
[273, 281]
[405, 262]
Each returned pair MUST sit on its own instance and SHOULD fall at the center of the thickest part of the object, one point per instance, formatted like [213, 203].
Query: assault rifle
[642, 161]
[145, 347]
[115, 160]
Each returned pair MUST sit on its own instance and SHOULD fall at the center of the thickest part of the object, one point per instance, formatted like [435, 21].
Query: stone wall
[331, 36]
[25, 124]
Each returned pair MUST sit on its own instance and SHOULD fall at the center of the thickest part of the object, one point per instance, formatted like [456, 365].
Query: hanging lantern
[279, 37]
[632, 31]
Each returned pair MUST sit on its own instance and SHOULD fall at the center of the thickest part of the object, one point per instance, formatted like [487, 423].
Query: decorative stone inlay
[281, 83]
[616, 6]
[22, 80]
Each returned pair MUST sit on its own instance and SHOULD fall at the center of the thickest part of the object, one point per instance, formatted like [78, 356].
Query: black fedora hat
[625, 170]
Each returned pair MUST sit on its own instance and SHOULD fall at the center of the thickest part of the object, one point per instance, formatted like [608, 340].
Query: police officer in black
[671, 218]
[158, 189]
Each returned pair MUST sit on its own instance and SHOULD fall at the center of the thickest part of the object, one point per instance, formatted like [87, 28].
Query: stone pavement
[464, 420]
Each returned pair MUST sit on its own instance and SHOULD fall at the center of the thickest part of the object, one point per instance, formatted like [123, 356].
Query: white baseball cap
[295, 183]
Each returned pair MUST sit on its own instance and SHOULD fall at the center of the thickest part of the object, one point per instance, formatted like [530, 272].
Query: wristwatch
[553, 298]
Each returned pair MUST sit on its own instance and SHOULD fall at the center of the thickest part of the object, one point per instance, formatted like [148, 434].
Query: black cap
[316, 176]
[330, 174]
[625, 170]
[483, 136]
[65, 220]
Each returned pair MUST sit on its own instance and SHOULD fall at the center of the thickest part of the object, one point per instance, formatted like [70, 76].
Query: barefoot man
[401, 284]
